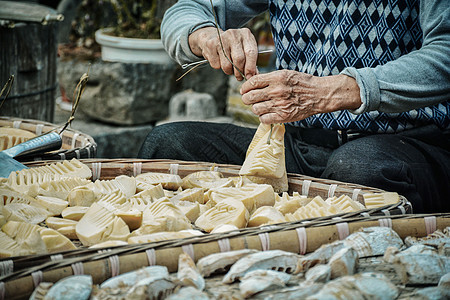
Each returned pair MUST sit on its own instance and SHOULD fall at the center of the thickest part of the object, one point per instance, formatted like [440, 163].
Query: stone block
[113, 141]
[122, 93]
[192, 106]
[133, 94]
[207, 80]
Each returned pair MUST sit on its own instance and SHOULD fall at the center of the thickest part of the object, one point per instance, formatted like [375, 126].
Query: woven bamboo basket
[298, 237]
[75, 144]
[26, 272]
[107, 169]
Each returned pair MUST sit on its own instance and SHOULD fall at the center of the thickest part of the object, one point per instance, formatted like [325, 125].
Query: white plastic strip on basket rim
[62, 156]
[365, 214]
[39, 128]
[114, 265]
[402, 209]
[151, 256]
[56, 257]
[173, 169]
[224, 245]
[78, 154]
[17, 123]
[88, 149]
[37, 277]
[96, 170]
[305, 187]
[265, 241]
[385, 222]
[74, 139]
[430, 224]
[302, 239]
[332, 190]
[78, 268]
[189, 250]
[386, 212]
[6, 267]
[137, 168]
[355, 194]
[343, 230]
[410, 205]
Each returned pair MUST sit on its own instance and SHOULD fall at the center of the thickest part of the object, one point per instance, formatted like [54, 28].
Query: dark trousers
[416, 163]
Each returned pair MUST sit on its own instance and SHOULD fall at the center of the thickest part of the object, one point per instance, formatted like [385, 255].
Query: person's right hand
[239, 45]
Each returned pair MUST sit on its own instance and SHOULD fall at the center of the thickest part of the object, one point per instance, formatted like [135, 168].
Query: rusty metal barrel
[28, 50]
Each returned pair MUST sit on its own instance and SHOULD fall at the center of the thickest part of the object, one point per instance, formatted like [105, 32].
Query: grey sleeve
[186, 16]
[418, 79]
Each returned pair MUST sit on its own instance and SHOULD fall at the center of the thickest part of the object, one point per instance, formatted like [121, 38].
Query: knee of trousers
[166, 137]
[364, 162]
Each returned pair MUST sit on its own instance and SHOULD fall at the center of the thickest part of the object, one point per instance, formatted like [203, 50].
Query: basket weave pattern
[75, 144]
[300, 237]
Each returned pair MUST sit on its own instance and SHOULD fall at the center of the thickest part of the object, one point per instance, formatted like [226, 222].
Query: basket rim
[133, 167]
[45, 123]
[70, 137]
[44, 262]
[392, 211]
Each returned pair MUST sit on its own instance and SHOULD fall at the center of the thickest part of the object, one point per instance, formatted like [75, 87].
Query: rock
[133, 93]
[129, 94]
[192, 106]
[112, 141]
[207, 80]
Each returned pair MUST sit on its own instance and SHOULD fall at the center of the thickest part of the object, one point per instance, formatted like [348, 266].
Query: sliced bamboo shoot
[229, 211]
[99, 225]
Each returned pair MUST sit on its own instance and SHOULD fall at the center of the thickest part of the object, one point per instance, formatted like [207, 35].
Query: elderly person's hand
[239, 45]
[287, 96]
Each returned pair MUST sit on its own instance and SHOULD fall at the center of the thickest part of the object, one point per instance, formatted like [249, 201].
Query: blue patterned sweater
[397, 50]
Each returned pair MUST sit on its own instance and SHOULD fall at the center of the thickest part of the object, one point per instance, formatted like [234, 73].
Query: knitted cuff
[184, 43]
[368, 86]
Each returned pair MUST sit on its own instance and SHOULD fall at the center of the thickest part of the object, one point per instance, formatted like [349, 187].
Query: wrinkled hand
[239, 45]
[287, 96]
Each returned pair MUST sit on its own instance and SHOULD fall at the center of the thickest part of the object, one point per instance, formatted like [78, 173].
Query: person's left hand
[286, 96]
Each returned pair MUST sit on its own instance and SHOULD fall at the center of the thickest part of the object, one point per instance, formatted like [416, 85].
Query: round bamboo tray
[25, 272]
[286, 236]
[107, 169]
[75, 144]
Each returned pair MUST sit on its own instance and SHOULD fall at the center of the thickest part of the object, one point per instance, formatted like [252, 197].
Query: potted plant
[126, 91]
[136, 37]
